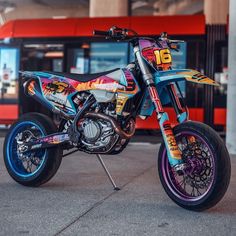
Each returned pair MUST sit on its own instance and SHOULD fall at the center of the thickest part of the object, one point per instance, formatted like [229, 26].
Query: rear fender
[33, 87]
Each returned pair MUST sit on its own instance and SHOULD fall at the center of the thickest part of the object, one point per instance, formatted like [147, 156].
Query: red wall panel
[220, 116]
[44, 28]
[8, 113]
[196, 114]
[177, 25]
[74, 27]
[85, 26]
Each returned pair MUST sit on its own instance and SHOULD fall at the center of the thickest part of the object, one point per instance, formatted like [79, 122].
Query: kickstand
[107, 172]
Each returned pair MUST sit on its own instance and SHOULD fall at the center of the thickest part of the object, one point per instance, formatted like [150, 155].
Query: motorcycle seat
[82, 77]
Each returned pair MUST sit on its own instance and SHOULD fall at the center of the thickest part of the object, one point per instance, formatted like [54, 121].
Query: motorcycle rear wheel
[203, 186]
[36, 167]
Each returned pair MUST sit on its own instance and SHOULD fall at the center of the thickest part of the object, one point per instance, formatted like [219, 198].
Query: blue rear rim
[32, 162]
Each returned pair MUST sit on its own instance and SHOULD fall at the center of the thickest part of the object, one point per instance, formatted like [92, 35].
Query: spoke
[198, 192]
[181, 182]
[173, 173]
[36, 161]
[29, 166]
[185, 178]
[192, 192]
[186, 139]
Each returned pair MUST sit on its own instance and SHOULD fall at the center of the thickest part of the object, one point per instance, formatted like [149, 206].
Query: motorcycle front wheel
[204, 182]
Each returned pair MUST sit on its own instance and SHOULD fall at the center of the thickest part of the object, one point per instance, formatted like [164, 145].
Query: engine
[97, 135]
[100, 134]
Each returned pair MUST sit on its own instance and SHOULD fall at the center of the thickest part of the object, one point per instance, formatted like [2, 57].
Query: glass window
[9, 66]
[179, 62]
[57, 65]
[196, 49]
[42, 57]
[179, 58]
[77, 60]
[107, 56]
[221, 73]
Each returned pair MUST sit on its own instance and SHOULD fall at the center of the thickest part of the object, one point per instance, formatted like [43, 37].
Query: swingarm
[53, 140]
[48, 141]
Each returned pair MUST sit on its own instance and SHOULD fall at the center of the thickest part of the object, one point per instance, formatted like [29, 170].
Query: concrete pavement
[80, 200]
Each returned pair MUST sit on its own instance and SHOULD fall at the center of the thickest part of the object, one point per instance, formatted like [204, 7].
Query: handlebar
[172, 44]
[122, 34]
[115, 33]
[101, 33]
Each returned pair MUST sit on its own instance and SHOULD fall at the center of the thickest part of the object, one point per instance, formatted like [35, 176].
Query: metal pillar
[231, 92]
[216, 12]
[214, 32]
[104, 8]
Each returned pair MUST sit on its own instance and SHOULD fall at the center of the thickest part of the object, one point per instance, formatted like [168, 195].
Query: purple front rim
[170, 177]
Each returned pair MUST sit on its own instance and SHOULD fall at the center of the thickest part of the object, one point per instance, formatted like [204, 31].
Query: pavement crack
[136, 176]
[84, 213]
[101, 202]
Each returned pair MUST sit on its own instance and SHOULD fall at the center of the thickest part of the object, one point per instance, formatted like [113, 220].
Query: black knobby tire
[52, 156]
[222, 168]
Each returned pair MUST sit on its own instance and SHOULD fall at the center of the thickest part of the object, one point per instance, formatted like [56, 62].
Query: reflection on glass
[107, 56]
[9, 73]
[179, 62]
[57, 65]
[179, 58]
[77, 60]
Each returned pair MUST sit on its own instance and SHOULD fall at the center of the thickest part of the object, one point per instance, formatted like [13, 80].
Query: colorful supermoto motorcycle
[98, 114]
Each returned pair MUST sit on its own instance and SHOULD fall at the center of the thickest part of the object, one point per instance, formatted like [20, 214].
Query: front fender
[165, 77]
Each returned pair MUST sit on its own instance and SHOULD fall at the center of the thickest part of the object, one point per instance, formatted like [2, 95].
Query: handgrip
[101, 33]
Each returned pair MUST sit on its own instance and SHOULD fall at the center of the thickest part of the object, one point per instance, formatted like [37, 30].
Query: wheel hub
[197, 172]
[23, 155]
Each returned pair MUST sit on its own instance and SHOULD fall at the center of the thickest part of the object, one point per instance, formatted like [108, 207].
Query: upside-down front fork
[173, 152]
